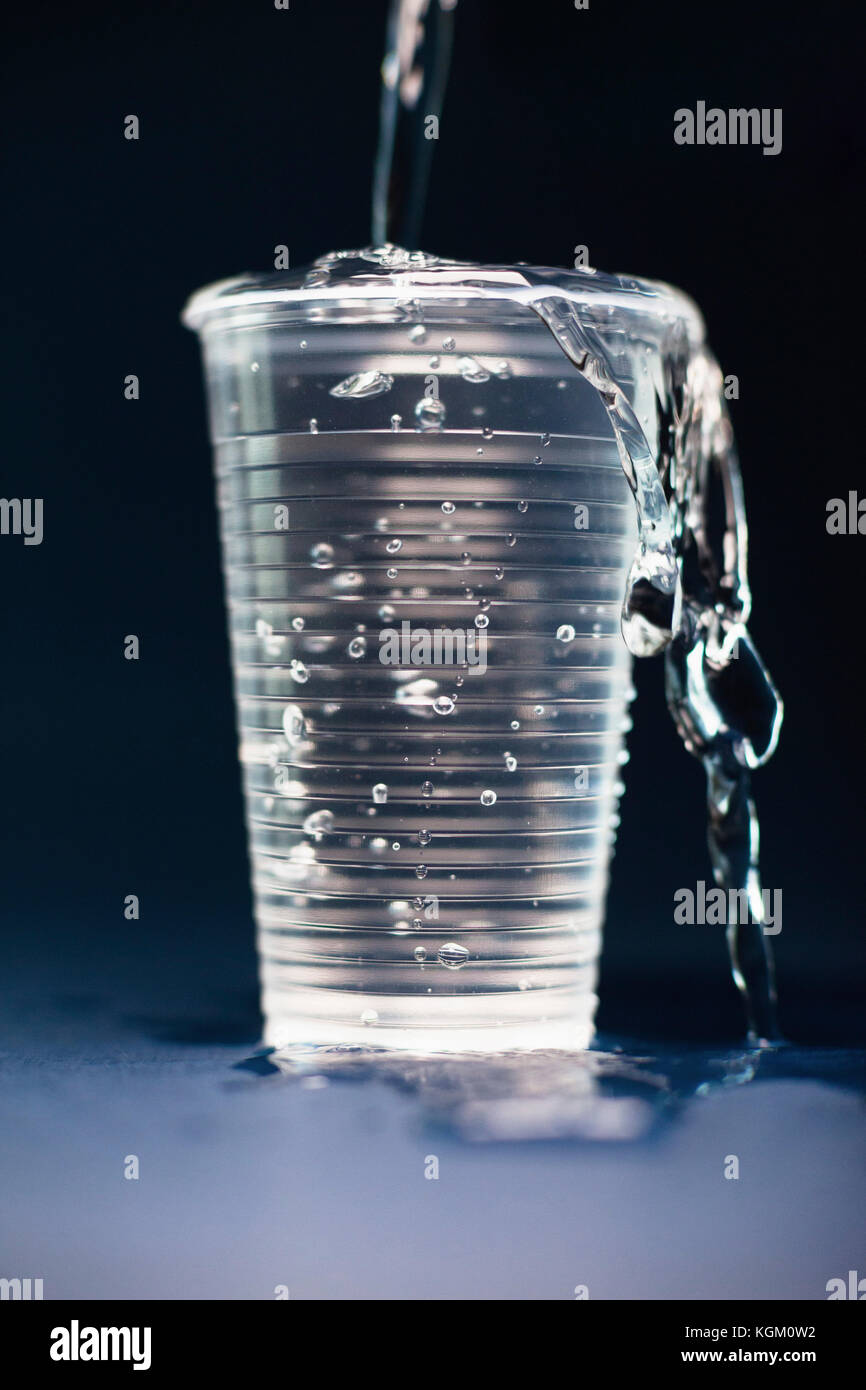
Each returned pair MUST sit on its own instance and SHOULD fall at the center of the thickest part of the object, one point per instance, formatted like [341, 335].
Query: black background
[258, 127]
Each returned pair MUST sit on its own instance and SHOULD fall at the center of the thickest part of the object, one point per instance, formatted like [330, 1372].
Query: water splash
[690, 597]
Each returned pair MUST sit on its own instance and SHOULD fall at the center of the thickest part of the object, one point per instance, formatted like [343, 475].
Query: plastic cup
[426, 533]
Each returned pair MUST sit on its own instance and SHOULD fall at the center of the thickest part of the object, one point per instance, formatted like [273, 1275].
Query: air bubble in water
[488, 797]
[369, 1016]
[314, 427]
[417, 334]
[299, 672]
[294, 725]
[503, 370]
[565, 633]
[380, 793]
[481, 620]
[391, 572]
[420, 954]
[387, 613]
[523, 506]
[430, 413]
[361, 385]
[357, 647]
[322, 555]
[545, 440]
[471, 370]
[510, 762]
[420, 870]
[319, 823]
[448, 508]
[393, 546]
[443, 704]
[298, 624]
[424, 837]
[448, 344]
[487, 432]
[515, 725]
[396, 422]
[426, 788]
[452, 956]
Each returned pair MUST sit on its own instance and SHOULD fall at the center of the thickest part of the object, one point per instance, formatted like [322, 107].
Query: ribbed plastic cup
[426, 534]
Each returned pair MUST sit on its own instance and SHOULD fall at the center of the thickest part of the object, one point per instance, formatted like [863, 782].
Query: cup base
[287, 1026]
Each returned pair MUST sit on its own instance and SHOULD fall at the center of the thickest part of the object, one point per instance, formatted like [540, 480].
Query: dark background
[258, 127]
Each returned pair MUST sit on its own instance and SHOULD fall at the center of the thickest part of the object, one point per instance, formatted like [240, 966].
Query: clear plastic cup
[400, 454]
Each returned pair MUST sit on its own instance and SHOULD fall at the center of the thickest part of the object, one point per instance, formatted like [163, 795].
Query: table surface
[607, 1173]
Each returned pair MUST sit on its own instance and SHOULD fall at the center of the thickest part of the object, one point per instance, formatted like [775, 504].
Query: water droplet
[361, 385]
[424, 837]
[503, 370]
[417, 333]
[322, 555]
[299, 672]
[430, 413]
[452, 956]
[565, 633]
[523, 506]
[487, 432]
[448, 508]
[420, 953]
[380, 793]
[426, 788]
[396, 422]
[471, 370]
[466, 558]
[488, 798]
[443, 704]
[314, 427]
[357, 648]
[393, 546]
